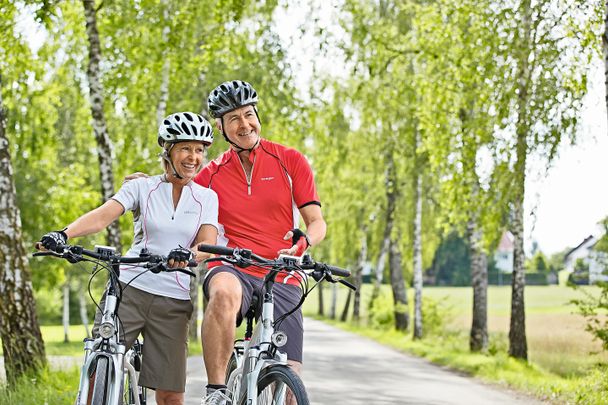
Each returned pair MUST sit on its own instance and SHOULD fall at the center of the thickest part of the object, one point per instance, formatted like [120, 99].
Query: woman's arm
[207, 234]
[95, 220]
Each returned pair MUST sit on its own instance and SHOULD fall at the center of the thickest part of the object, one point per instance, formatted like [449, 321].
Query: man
[262, 189]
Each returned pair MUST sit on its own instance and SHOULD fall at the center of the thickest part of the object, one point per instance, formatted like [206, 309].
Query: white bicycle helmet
[229, 96]
[185, 126]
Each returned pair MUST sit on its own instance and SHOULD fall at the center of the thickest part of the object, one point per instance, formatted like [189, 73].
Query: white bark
[104, 144]
[418, 261]
[65, 319]
[20, 334]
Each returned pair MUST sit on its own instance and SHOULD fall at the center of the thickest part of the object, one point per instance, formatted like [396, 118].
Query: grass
[49, 388]
[565, 364]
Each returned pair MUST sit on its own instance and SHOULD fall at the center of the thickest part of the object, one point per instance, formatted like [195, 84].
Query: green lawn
[557, 339]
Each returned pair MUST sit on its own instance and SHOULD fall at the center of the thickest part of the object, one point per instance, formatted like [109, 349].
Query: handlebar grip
[218, 250]
[192, 263]
[338, 271]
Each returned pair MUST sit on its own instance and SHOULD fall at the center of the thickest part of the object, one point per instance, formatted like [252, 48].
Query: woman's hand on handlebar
[52, 241]
[179, 258]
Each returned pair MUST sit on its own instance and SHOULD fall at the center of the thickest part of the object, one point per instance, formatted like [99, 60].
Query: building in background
[587, 263]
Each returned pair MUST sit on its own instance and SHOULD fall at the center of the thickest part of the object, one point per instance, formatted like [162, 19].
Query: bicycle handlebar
[75, 253]
[246, 257]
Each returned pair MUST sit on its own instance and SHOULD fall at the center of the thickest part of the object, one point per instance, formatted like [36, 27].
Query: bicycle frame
[252, 360]
[113, 350]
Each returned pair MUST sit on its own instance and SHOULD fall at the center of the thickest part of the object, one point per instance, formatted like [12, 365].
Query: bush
[434, 314]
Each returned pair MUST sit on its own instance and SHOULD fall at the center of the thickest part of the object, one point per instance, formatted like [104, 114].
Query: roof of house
[506, 242]
[588, 242]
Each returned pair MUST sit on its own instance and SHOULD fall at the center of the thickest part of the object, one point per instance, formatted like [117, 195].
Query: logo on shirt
[190, 212]
[267, 178]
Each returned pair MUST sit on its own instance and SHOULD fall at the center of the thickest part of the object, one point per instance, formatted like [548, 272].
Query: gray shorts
[163, 322]
[286, 297]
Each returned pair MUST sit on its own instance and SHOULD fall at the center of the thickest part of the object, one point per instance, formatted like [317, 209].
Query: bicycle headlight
[106, 330]
[279, 339]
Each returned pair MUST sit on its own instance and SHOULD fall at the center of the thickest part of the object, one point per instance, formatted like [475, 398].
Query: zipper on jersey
[248, 177]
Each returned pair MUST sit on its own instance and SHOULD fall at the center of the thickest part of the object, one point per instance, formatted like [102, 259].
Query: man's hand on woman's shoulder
[134, 176]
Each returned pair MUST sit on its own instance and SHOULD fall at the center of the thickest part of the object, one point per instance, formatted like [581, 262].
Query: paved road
[343, 368]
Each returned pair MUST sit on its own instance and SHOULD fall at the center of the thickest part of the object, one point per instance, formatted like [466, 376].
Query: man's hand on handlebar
[299, 240]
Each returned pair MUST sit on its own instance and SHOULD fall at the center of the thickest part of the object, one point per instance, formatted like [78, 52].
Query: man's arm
[315, 228]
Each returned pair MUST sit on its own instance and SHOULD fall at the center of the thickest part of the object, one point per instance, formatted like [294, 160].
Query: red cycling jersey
[256, 213]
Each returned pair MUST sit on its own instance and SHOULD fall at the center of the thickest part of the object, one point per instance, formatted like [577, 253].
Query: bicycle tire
[279, 376]
[100, 381]
[233, 386]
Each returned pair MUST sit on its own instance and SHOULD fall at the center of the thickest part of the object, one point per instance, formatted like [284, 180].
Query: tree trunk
[161, 107]
[478, 340]
[518, 346]
[379, 273]
[391, 197]
[84, 316]
[22, 343]
[65, 318]
[402, 319]
[321, 303]
[344, 316]
[104, 145]
[358, 276]
[334, 300]
[418, 261]
[605, 48]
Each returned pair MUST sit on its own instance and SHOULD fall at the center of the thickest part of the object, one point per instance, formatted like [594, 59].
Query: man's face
[241, 126]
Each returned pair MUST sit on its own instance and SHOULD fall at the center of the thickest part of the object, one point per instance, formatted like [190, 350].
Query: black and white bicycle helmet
[185, 126]
[229, 96]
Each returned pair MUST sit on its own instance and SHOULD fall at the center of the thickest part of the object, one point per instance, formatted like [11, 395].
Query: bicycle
[257, 372]
[109, 374]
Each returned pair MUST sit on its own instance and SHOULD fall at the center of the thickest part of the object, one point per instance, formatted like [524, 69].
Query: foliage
[595, 309]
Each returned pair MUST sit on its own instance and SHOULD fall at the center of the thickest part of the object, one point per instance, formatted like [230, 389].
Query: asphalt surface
[343, 368]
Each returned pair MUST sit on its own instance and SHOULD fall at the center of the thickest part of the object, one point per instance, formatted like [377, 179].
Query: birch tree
[100, 129]
[22, 343]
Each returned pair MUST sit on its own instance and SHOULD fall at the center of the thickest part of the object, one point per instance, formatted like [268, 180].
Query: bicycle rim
[100, 382]
[278, 383]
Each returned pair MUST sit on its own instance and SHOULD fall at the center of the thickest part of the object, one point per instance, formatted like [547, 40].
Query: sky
[573, 197]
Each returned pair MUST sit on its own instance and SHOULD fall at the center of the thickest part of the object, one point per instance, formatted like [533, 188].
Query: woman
[170, 213]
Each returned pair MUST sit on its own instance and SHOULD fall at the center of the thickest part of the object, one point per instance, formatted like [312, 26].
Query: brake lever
[346, 283]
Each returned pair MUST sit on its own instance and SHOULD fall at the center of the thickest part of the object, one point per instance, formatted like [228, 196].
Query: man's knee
[225, 294]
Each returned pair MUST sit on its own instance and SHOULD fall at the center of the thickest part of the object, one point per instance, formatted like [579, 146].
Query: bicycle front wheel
[278, 385]
[100, 381]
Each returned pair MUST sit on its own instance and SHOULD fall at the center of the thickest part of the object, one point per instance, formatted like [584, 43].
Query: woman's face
[187, 158]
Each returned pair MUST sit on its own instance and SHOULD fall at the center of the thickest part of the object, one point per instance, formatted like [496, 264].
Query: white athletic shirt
[160, 228]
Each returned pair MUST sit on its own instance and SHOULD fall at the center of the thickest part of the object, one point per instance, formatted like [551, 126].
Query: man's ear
[218, 124]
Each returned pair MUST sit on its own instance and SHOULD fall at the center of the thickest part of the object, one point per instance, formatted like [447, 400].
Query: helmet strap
[165, 155]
